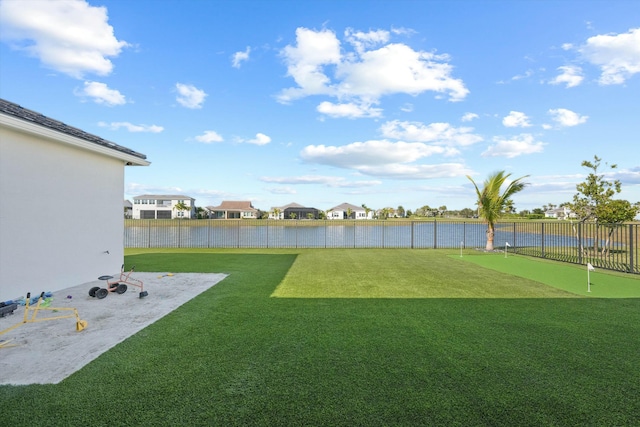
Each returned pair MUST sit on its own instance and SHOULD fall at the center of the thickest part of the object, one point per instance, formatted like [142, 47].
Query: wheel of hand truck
[101, 293]
[113, 285]
[122, 288]
[92, 291]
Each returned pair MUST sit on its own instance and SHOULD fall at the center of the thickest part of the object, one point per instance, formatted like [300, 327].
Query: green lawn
[357, 338]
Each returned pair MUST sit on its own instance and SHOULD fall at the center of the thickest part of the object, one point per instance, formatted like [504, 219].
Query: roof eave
[35, 129]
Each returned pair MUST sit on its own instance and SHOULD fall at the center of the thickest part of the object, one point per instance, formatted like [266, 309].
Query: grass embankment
[266, 347]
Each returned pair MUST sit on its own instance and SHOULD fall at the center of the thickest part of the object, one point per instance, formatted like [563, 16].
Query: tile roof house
[293, 211]
[46, 167]
[233, 210]
[349, 211]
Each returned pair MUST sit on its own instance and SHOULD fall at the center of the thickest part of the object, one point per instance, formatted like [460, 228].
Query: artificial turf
[569, 277]
[254, 351]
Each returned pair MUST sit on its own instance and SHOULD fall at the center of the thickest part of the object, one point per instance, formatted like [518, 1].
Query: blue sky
[383, 103]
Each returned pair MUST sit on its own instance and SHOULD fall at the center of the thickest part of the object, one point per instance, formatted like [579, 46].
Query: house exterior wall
[62, 193]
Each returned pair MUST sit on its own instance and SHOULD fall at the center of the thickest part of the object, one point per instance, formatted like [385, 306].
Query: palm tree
[180, 207]
[492, 204]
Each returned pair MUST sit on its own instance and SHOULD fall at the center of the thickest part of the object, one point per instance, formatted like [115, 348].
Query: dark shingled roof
[17, 111]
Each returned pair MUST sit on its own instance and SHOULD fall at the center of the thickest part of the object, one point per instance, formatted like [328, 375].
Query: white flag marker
[590, 268]
[506, 245]
[461, 245]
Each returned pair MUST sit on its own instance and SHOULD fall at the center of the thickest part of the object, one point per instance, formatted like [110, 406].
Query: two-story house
[153, 206]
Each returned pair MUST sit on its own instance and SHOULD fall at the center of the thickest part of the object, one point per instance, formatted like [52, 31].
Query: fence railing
[610, 247]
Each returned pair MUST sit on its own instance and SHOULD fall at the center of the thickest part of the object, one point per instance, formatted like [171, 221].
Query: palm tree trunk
[490, 236]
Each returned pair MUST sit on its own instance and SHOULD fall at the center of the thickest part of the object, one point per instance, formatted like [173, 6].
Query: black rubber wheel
[113, 286]
[92, 291]
[102, 293]
[122, 288]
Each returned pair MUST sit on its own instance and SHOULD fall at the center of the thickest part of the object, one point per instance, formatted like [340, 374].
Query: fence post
[464, 234]
[631, 248]
[435, 234]
[411, 234]
[542, 234]
[149, 234]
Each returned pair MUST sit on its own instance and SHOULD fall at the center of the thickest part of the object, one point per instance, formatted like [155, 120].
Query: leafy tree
[492, 204]
[594, 200]
[276, 213]
[293, 215]
[467, 213]
[349, 213]
[400, 211]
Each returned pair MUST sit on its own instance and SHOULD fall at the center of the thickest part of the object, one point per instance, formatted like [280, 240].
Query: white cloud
[571, 76]
[209, 136]
[396, 68]
[101, 94]
[260, 139]
[71, 36]
[400, 171]
[240, 57]
[348, 110]
[131, 127]
[361, 41]
[469, 116]
[516, 119]
[329, 181]
[526, 75]
[306, 61]
[368, 72]
[567, 118]
[514, 147]
[617, 55]
[282, 190]
[407, 108]
[436, 133]
[189, 96]
[364, 154]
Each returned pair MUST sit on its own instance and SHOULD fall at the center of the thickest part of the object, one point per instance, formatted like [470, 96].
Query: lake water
[242, 234]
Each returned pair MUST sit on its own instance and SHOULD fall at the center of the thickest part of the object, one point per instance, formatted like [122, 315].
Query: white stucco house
[349, 211]
[560, 213]
[230, 209]
[61, 222]
[155, 206]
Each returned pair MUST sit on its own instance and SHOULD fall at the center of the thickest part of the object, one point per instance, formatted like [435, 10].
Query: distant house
[560, 213]
[128, 209]
[293, 211]
[73, 181]
[153, 206]
[233, 210]
[348, 211]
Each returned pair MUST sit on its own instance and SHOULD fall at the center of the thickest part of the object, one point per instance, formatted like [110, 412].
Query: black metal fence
[609, 247]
